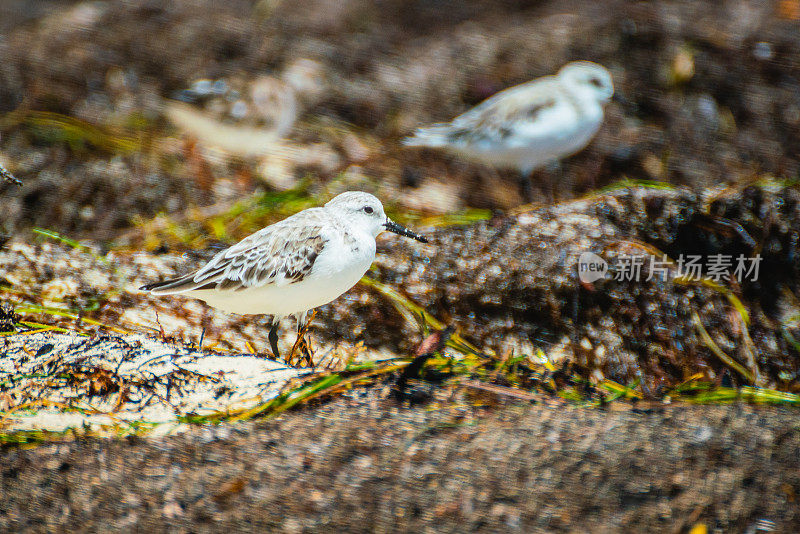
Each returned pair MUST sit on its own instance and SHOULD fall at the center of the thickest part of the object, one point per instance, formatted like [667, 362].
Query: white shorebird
[528, 126]
[292, 266]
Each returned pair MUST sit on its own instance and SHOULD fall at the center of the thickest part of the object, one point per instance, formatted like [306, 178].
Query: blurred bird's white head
[588, 79]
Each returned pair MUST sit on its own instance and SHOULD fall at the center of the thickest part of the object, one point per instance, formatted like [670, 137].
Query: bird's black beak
[402, 230]
[623, 101]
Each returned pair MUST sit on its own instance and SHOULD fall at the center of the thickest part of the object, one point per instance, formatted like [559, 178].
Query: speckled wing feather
[494, 118]
[283, 253]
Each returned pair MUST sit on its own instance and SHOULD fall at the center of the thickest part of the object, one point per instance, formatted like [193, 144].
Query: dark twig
[8, 177]
[302, 346]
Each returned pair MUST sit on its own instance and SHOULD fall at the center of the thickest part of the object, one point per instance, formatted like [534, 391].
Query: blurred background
[153, 124]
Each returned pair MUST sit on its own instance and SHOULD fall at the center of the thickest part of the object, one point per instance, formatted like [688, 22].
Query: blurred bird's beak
[402, 230]
[623, 101]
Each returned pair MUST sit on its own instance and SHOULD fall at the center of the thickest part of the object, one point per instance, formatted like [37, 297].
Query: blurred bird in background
[529, 126]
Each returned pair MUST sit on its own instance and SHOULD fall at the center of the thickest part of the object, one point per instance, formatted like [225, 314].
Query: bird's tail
[435, 135]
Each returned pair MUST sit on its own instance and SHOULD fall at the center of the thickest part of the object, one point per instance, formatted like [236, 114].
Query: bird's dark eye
[596, 82]
[368, 209]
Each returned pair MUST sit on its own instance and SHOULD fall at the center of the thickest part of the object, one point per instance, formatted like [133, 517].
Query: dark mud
[368, 465]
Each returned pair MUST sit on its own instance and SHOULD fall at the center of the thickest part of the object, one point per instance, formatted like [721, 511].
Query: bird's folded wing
[280, 254]
[497, 117]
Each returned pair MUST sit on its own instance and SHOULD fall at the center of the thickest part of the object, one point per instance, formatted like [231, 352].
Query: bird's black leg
[526, 187]
[556, 179]
[525, 183]
[273, 339]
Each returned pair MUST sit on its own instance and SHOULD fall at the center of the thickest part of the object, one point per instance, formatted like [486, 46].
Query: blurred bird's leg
[493, 187]
[555, 175]
[526, 184]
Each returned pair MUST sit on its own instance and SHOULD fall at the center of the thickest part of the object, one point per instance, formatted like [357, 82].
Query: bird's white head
[366, 211]
[588, 79]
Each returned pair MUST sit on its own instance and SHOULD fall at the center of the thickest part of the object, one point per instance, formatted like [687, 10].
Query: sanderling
[294, 265]
[530, 125]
